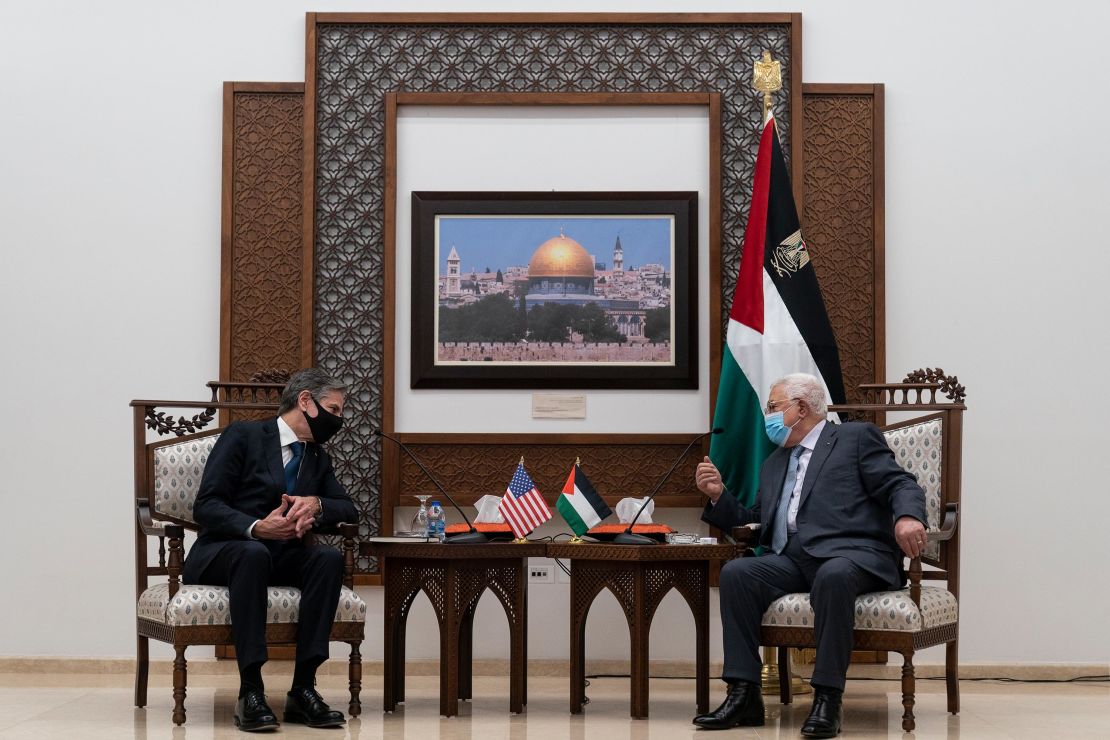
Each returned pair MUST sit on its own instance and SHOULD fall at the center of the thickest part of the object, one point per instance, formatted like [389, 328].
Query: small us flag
[522, 506]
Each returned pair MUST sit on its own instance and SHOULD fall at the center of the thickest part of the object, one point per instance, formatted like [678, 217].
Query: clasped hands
[292, 518]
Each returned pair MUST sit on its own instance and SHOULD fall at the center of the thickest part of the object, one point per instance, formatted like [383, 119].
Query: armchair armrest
[747, 535]
[152, 528]
[948, 526]
[176, 535]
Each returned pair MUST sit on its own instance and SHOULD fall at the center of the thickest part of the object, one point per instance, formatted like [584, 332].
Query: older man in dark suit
[836, 512]
[266, 484]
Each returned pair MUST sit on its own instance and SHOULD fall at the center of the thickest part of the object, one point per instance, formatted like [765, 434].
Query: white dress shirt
[287, 437]
[808, 443]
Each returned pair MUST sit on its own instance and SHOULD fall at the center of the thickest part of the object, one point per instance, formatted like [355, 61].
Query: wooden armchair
[167, 477]
[918, 616]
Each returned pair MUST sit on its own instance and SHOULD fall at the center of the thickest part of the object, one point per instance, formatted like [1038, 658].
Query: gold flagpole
[576, 540]
[767, 79]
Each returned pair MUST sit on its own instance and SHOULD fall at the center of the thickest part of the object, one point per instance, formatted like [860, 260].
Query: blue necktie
[293, 466]
[778, 536]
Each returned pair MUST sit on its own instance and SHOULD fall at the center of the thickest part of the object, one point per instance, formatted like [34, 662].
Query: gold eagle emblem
[791, 255]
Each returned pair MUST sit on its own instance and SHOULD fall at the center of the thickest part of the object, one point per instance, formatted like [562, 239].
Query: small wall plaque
[558, 405]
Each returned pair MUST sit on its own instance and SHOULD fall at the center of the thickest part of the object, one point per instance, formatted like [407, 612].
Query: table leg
[701, 627]
[393, 648]
[466, 653]
[518, 641]
[639, 632]
[449, 647]
[578, 612]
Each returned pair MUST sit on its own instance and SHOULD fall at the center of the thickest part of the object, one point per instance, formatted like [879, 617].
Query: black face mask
[324, 425]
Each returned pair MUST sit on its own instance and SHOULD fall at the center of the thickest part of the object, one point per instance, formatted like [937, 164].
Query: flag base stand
[575, 540]
[520, 541]
[769, 676]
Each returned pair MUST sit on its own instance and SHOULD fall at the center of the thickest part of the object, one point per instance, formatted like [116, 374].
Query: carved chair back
[928, 445]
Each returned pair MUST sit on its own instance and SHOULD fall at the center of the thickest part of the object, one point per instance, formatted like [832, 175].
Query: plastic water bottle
[436, 524]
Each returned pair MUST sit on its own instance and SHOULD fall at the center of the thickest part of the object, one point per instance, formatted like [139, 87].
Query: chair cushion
[197, 605]
[177, 472]
[891, 611]
[917, 448]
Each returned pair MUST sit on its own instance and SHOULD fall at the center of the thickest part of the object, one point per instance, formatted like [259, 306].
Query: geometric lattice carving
[840, 224]
[263, 231]
[354, 64]
[469, 471]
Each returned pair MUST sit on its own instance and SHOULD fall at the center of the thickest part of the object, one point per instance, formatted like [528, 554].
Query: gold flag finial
[522, 459]
[578, 461]
[767, 79]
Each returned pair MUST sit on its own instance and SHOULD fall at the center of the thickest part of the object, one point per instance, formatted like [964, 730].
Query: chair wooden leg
[354, 678]
[142, 669]
[179, 677]
[907, 692]
[784, 675]
[952, 675]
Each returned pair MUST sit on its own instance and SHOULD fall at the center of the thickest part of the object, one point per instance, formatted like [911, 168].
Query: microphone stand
[473, 537]
[626, 537]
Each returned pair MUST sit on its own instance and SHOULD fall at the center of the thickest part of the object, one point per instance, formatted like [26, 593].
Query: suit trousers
[249, 567]
[749, 585]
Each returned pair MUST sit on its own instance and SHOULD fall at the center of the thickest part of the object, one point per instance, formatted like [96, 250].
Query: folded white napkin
[487, 510]
[627, 508]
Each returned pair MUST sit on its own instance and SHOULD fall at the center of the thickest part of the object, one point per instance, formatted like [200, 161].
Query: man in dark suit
[836, 512]
[266, 484]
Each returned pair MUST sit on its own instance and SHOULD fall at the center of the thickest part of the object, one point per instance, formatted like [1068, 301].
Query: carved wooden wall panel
[263, 265]
[472, 470]
[843, 220]
[353, 60]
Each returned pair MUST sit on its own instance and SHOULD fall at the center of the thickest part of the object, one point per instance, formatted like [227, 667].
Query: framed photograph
[554, 290]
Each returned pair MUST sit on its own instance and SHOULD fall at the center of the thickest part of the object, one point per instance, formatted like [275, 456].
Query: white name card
[558, 405]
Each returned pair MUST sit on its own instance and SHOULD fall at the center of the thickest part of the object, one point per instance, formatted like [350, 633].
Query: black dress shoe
[253, 714]
[305, 707]
[743, 707]
[825, 717]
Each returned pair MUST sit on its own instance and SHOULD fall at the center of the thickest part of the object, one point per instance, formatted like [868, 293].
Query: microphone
[626, 537]
[473, 537]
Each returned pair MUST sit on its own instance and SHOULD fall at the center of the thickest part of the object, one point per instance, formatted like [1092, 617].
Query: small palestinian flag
[580, 504]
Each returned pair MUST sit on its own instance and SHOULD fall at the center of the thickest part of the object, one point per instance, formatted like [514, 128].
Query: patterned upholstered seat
[196, 605]
[892, 611]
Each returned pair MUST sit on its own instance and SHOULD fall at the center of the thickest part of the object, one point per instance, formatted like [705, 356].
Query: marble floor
[91, 707]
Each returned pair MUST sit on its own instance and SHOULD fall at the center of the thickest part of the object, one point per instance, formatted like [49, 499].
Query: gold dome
[561, 256]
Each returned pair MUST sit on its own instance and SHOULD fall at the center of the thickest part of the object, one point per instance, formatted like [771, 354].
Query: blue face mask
[777, 431]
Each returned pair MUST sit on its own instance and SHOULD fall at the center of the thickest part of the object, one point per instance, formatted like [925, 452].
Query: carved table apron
[454, 577]
[639, 576]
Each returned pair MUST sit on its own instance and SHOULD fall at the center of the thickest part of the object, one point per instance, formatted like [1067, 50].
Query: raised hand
[708, 479]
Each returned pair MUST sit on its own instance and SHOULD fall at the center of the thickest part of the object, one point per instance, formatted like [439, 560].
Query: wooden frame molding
[393, 482]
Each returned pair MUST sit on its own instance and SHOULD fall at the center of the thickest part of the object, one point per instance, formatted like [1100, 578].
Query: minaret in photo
[453, 286]
[618, 257]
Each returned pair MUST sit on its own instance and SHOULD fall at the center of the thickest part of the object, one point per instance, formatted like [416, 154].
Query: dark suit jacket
[243, 481]
[852, 493]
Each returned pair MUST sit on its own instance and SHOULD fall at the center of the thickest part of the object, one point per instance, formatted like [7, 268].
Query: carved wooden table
[454, 577]
[639, 576]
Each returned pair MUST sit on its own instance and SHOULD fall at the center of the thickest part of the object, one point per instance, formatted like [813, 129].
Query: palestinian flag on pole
[778, 324]
[580, 504]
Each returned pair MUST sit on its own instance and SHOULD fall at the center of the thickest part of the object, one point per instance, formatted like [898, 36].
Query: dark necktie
[779, 533]
[293, 466]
